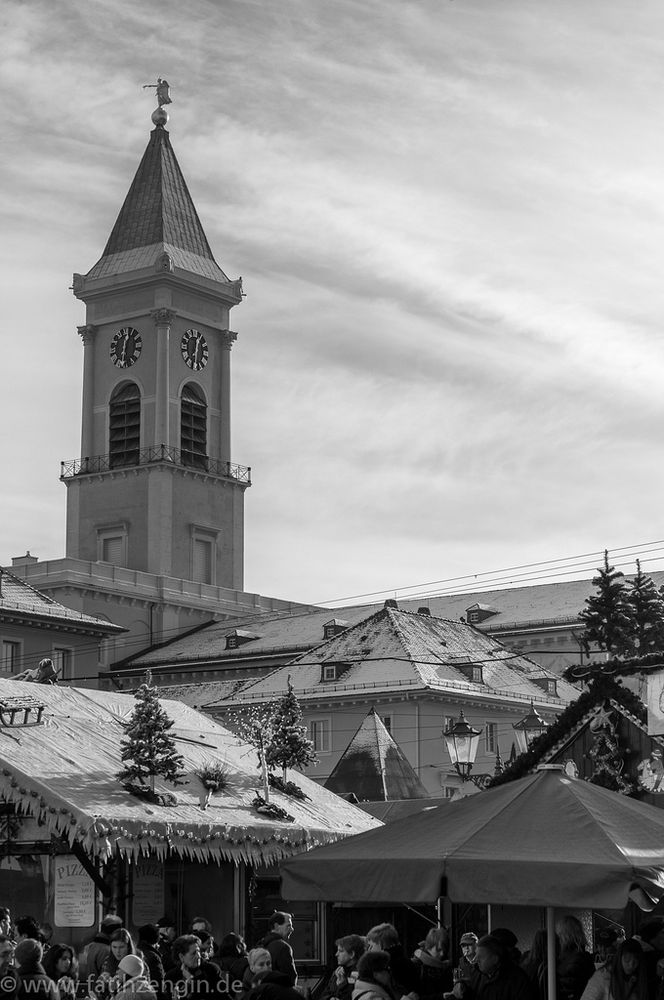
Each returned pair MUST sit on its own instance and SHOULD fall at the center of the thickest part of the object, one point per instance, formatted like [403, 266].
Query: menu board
[74, 893]
[148, 901]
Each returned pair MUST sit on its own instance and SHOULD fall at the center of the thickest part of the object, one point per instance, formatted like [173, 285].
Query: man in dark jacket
[496, 976]
[280, 928]
[148, 939]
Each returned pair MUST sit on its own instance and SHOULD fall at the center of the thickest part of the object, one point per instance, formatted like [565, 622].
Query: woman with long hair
[121, 944]
[61, 964]
[626, 978]
[575, 963]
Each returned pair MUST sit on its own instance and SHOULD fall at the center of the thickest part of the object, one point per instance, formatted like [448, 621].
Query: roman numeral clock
[194, 350]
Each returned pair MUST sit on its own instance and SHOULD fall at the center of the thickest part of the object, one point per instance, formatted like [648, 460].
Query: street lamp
[462, 742]
[529, 728]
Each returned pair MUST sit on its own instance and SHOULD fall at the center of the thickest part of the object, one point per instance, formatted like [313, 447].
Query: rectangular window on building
[111, 550]
[112, 543]
[11, 656]
[62, 661]
[448, 722]
[319, 733]
[490, 736]
[202, 560]
[387, 722]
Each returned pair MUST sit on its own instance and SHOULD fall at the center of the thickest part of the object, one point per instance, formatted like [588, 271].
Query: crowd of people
[164, 965]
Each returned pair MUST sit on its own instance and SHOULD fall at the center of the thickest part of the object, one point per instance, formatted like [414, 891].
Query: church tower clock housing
[155, 489]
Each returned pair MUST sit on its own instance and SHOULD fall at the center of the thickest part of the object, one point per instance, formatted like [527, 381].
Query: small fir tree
[647, 607]
[608, 616]
[290, 745]
[149, 750]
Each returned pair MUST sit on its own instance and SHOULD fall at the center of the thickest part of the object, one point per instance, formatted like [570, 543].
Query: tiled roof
[280, 633]
[158, 212]
[394, 649]
[18, 598]
[374, 767]
[204, 693]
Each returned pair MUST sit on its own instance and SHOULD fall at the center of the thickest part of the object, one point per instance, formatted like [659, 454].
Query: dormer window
[238, 637]
[334, 627]
[477, 613]
[471, 671]
[548, 684]
[330, 672]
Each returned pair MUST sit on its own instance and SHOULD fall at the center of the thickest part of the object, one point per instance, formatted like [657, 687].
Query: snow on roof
[395, 649]
[63, 772]
[18, 597]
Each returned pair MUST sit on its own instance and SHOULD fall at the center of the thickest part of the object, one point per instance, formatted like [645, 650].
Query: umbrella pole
[550, 954]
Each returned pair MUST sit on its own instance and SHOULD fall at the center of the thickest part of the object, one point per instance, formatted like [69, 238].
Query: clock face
[126, 347]
[194, 350]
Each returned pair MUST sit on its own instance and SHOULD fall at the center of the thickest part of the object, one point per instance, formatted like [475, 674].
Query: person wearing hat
[134, 984]
[32, 980]
[148, 941]
[468, 945]
[97, 951]
[496, 977]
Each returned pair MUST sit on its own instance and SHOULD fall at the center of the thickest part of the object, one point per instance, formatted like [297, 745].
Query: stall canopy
[59, 764]
[545, 840]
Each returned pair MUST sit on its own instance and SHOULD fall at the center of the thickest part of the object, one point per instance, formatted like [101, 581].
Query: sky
[449, 218]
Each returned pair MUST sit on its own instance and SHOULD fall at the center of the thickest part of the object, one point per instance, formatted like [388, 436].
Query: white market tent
[62, 772]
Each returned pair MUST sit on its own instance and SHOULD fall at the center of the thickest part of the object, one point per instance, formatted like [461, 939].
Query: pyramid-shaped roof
[394, 650]
[158, 215]
[374, 767]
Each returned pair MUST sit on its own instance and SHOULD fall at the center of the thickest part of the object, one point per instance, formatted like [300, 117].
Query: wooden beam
[92, 871]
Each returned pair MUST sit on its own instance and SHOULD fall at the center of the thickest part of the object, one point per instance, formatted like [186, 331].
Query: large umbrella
[545, 840]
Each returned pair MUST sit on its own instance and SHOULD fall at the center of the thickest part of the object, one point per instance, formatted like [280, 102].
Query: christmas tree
[149, 750]
[608, 616]
[290, 745]
[648, 613]
[608, 763]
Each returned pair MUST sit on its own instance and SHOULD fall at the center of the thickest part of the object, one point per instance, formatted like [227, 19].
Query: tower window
[125, 425]
[193, 427]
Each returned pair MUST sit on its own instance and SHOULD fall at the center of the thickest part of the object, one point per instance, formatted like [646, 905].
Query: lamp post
[529, 728]
[462, 742]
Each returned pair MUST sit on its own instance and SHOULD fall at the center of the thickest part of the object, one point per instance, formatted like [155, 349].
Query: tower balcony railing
[157, 454]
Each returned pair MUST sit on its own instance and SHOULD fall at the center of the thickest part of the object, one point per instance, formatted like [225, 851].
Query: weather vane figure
[160, 117]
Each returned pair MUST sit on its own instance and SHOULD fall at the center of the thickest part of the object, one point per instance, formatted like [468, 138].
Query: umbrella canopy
[545, 840]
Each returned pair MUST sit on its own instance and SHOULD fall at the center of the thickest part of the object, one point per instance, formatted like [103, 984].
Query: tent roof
[63, 772]
[374, 767]
[499, 845]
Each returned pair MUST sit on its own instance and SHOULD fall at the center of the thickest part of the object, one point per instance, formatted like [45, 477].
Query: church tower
[155, 489]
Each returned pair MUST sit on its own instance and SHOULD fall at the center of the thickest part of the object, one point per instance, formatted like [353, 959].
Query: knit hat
[27, 952]
[469, 938]
[132, 965]
[111, 922]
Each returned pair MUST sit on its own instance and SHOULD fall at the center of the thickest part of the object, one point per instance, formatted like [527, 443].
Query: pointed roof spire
[374, 767]
[158, 217]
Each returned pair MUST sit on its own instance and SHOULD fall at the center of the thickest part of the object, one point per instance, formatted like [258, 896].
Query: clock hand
[125, 341]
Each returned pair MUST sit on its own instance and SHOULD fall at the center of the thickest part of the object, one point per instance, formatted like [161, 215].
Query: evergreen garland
[601, 689]
[608, 616]
[149, 751]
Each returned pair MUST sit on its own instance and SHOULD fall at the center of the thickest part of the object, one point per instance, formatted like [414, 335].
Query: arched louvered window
[193, 427]
[125, 425]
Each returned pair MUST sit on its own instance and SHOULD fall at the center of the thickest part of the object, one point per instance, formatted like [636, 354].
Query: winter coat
[340, 985]
[281, 954]
[94, 955]
[203, 982]
[154, 964]
[275, 986]
[137, 988]
[367, 989]
[435, 974]
[235, 967]
[599, 986]
[34, 984]
[509, 982]
[405, 975]
[574, 969]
